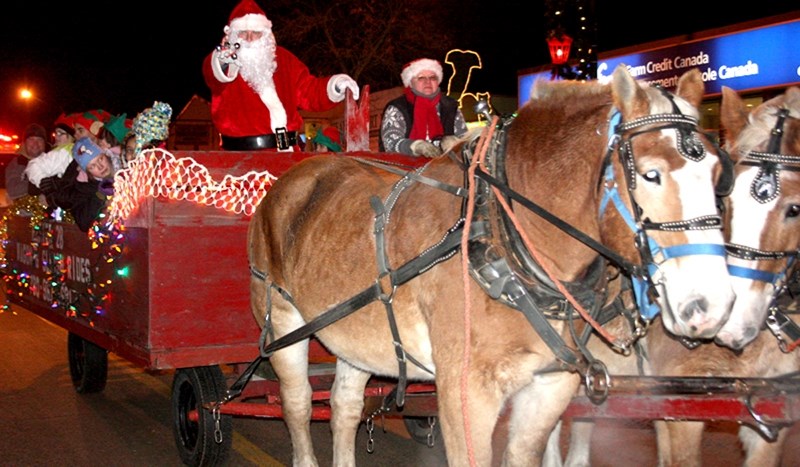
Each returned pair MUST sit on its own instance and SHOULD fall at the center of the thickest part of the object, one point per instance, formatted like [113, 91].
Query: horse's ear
[793, 99]
[629, 97]
[691, 87]
[733, 113]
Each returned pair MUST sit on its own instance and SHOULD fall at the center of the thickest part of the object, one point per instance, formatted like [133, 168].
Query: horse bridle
[691, 148]
[765, 188]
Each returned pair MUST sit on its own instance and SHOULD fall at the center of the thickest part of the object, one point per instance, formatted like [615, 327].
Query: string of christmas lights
[155, 174]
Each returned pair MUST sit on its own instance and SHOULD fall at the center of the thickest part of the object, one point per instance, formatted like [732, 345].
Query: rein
[620, 135]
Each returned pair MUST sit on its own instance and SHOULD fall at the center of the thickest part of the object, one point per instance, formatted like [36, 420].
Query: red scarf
[426, 121]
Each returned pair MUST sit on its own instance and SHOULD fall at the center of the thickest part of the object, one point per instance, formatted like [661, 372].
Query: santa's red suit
[246, 117]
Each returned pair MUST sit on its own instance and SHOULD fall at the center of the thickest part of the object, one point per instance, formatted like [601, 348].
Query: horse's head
[763, 211]
[670, 169]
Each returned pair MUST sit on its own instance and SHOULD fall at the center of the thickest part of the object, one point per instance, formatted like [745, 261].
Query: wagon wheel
[424, 430]
[200, 442]
[88, 364]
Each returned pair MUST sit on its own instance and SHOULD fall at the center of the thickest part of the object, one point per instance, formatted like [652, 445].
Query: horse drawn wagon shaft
[177, 297]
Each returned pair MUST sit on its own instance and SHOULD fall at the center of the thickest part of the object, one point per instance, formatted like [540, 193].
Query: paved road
[46, 423]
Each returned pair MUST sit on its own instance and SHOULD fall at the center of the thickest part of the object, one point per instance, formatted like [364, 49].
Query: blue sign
[753, 59]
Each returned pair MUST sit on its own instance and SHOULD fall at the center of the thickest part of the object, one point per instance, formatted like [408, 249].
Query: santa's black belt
[280, 140]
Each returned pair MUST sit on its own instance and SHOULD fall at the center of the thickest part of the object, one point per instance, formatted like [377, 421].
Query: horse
[763, 240]
[368, 258]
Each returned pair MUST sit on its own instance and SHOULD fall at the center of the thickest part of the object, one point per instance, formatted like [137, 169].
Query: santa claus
[257, 87]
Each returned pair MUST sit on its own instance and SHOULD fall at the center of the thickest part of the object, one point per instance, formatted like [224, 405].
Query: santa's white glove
[337, 86]
[223, 59]
[424, 148]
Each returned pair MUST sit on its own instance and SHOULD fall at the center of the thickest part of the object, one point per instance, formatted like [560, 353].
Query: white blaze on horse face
[695, 294]
[748, 220]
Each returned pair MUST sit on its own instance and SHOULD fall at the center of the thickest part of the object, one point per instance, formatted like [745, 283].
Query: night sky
[83, 55]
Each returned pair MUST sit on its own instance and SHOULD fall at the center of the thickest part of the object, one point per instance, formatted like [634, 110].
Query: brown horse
[763, 230]
[375, 250]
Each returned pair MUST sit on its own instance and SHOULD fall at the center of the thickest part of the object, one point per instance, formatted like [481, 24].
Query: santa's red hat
[248, 16]
[416, 67]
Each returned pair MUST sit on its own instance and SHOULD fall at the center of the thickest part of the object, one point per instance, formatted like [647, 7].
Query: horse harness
[765, 188]
[515, 279]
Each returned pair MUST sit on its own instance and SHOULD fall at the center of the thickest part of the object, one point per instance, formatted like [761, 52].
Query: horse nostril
[697, 305]
[734, 344]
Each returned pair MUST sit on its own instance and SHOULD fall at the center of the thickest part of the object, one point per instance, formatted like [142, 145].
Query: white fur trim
[48, 164]
[277, 113]
[418, 66]
[219, 73]
[251, 22]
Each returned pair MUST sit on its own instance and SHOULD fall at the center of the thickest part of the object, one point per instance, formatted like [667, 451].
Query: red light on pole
[559, 48]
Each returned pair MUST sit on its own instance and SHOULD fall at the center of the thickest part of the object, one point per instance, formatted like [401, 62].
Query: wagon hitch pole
[767, 404]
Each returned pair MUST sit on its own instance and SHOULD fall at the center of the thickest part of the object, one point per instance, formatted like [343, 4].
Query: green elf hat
[118, 126]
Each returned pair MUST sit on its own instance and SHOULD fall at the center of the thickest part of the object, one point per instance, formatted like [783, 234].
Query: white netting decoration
[157, 173]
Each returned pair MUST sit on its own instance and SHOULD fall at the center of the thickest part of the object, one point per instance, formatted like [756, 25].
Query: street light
[26, 94]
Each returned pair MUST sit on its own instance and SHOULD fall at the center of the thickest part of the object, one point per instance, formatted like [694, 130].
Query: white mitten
[424, 148]
[337, 86]
[448, 142]
[223, 59]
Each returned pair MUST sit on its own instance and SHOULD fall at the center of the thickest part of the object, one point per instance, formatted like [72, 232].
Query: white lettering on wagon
[25, 254]
[78, 269]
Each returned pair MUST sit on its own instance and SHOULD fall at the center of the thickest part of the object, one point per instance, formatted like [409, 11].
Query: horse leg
[580, 443]
[536, 409]
[347, 404]
[679, 443]
[291, 367]
[552, 453]
[483, 409]
[760, 452]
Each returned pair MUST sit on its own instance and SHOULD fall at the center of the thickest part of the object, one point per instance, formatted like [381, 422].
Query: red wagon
[171, 291]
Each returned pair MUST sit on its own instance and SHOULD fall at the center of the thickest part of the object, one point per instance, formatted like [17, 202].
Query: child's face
[99, 167]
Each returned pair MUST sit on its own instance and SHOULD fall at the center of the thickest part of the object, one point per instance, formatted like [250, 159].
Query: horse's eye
[652, 176]
[793, 211]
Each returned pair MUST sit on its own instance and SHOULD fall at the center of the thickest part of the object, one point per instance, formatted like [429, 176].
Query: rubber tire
[419, 428]
[88, 364]
[192, 388]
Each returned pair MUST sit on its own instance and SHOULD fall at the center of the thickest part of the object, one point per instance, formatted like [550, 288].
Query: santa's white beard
[257, 62]
[257, 65]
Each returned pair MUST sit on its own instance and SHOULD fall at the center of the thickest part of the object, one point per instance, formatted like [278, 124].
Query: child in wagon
[86, 184]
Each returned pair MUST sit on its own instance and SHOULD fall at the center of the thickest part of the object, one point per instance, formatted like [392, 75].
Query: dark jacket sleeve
[81, 199]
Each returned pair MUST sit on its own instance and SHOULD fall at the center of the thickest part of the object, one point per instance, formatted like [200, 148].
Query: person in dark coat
[82, 190]
[417, 122]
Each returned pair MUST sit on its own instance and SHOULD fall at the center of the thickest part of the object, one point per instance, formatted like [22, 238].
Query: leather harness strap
[445, 248]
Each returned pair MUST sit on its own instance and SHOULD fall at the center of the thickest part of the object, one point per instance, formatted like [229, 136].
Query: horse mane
[764, 117]
[544, 90]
